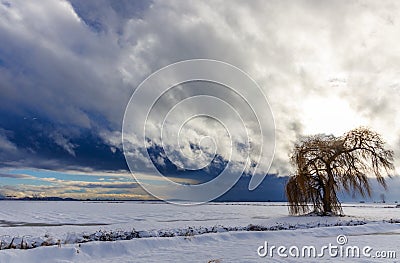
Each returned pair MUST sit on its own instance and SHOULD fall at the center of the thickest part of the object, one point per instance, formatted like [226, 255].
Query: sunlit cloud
[68, 68]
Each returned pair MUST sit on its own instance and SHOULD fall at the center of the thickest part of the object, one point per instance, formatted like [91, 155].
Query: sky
[69, 68]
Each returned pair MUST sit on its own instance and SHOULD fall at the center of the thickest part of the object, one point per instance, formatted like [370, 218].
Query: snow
[160, 232]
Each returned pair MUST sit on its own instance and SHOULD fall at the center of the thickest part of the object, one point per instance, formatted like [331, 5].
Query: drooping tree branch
[325, 164]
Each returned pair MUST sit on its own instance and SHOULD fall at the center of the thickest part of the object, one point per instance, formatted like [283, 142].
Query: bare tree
[325, 164]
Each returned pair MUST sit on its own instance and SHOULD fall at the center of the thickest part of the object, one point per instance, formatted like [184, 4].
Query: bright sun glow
[329, 115]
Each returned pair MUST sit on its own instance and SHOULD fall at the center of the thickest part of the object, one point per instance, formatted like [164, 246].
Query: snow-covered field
[160, 232]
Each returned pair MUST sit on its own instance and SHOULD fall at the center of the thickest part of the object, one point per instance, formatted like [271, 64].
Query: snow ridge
[28, 242]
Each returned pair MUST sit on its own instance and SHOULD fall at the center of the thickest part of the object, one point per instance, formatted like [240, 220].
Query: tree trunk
[328, 188]
[326, 201]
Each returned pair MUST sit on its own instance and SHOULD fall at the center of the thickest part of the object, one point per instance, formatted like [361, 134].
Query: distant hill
[49, 198]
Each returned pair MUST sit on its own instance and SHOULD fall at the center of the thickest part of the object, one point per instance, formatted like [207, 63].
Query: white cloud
[6, 145]
[296, 51]
[63, 142]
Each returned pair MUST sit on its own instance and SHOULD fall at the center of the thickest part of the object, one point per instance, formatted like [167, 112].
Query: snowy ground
[171, 233]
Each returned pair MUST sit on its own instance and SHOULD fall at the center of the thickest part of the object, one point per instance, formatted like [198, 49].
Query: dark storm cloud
[109, 15]
[35, 143]
[67, 69]
[271, 189]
